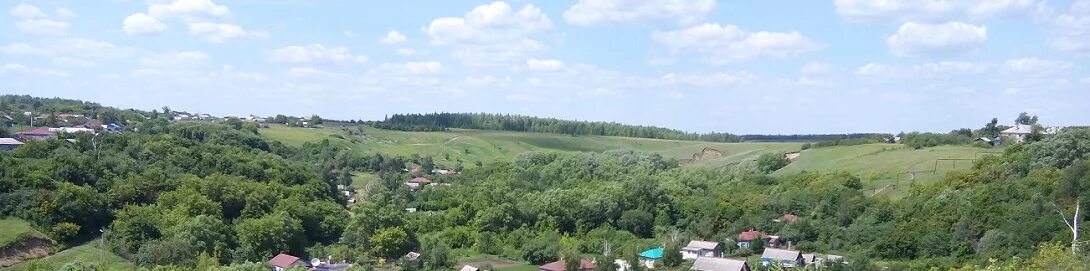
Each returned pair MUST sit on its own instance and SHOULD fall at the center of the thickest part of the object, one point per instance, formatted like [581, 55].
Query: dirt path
[451, 140]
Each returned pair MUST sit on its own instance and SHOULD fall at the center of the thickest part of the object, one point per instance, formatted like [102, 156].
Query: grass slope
[12, 228]
[89, 253]
[880, 165]
[469, 146]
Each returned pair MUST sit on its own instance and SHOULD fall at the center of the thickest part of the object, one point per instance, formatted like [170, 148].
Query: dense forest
[179, 196]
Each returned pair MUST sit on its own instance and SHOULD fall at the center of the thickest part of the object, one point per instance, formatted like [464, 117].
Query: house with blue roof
[651, 256]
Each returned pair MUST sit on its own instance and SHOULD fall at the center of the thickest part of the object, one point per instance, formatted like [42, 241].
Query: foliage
[1063, 149]
[770, 162]
[443, 121]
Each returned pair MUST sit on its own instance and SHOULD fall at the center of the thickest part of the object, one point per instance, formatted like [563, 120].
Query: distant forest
[501, 122]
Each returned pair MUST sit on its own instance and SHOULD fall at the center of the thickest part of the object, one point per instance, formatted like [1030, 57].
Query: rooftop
[780, 254]
[702, 245]
[654, 253]
[283, 260]
[718, 264]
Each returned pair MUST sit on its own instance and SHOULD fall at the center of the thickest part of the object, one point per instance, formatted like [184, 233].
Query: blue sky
[700, 65]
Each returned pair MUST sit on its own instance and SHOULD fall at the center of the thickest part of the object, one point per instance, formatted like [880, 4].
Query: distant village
[43, 126]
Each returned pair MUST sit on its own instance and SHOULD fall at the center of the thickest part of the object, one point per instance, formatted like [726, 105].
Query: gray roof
[1019, 129]
[780, 254]
[469, 268]
[702, 245]
[718, 264]
[9, 141]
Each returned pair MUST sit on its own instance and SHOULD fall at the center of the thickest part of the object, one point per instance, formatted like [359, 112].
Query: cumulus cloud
[729, 43]
[1071, 30]
[216, 33]
[423, 67]
[393, 37]
[589, 12]
[315, 53]
[951, 37]
[938, 10]
[142, 24]
[189, 9]
[544, 64]
[25, 11]
[490, 33]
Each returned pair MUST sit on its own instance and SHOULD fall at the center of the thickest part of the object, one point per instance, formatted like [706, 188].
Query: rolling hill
[469, 146]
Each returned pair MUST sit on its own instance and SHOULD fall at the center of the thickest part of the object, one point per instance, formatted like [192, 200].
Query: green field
[880, 165]
[12, 228]
[470, 146]
[89, 253]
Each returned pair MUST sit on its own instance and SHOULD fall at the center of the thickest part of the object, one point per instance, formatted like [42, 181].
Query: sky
[785, 67]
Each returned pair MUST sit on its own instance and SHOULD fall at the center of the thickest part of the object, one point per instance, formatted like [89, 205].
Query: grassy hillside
[473, 145]
[89, 254]
[880, 165]
[12, 228]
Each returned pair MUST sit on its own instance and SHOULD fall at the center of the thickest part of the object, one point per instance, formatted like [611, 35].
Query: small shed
[782, 258]
[696, 249]
[7, 144]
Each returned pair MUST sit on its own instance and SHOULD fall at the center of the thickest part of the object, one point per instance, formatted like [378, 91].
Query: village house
[284, 261]
[696, 249]
[782, 258]
[1019, 132]
[810, 259]
[719, 264]
[418, 182]
[584, 265]
[649, 257]
[746, 238]
[36, 134]
[7, 144]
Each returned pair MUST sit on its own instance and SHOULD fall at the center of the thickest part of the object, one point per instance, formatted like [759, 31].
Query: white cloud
[544, 64]
[1071, 30]
[943, 69]
[952, 37]
[65, 13]
[142, 24]
[406, 51]
[589, 12]
[709, 80]
[393, 37]
[423, 67]
[216, 33]
[43, 27]
[816, 68]
[728, 43]
[188, 9]
[21, 69]
[315, 53]
[938, 10]
[1036, 67]
[490, 33]
[24, 49]
[27, 12]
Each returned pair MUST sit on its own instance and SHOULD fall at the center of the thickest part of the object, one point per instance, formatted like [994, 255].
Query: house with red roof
[36, 134]
[284, 261]
[746, 238]
[417, 182]
[584, 265]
